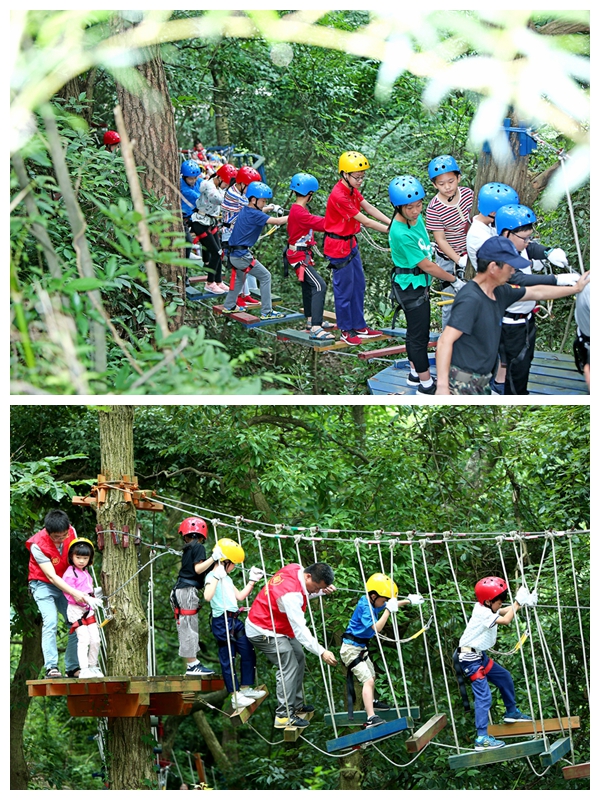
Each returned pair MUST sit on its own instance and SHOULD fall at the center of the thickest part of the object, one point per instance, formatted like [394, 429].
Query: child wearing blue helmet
[412, 274]
[189, 189]
[301, 240]
[250, 222]
[448, 219]
[491, 197]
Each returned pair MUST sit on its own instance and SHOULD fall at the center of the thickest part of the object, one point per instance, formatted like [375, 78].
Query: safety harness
[460, 674]
[178, 610]
[362, 656]
[88, 618]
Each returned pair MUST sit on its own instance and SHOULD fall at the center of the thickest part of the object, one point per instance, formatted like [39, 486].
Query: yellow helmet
[353, 161]
[232, 551]
[383, 585]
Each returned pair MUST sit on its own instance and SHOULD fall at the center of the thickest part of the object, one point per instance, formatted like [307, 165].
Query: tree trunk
[220, 108]
[30, 663]
[149, 120]
[220, 756]
[130, 761]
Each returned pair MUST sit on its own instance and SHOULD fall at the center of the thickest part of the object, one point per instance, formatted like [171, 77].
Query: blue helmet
[258, 189]
[493, 196]
[189, 169]
[440, 165]
[404, 190]
[303, 183]
[513, 216]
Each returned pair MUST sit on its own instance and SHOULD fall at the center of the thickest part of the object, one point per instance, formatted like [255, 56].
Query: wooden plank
[368, 735]
[242, 715]
[388, 351]
[533, 726]
[360, 717]
[478, 758]
[556, 751]
[572, 771]
[108, 705]
[425, 733]
[250, 321]
[301, 337]
[197, 278]
[240, 316]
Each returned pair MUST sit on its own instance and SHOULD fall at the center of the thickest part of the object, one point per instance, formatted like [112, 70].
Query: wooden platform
[573, 771]
[369, 735]
[477, 758]
[242, 715]
[532, 727]
[555, 752]
[302, 337]
[360, 717]
[251, 321]
[421, 737]
[550, 374]
[124, 696]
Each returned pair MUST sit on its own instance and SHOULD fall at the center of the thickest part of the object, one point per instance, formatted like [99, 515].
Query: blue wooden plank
[476, 758]
[369, 735]
[556, 751]
[280, 321]
[341, 718]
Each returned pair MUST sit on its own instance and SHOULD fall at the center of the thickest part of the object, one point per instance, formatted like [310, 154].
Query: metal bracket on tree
[129, 488]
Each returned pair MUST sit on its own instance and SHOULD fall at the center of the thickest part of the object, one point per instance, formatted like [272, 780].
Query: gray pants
[187, 627]
[261, 273]
[291, 674]
[448, 266]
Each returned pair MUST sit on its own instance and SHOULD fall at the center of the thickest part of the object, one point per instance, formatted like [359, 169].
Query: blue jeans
[239, 643]
[51, 602]
[501, 678]
[349, 292]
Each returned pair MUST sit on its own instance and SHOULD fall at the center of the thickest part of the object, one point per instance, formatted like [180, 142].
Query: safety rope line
[408, 763]
[425, 629]
[239, 538]
[394, 621]
[343, 754]
[258, 733]
[562, 644]
[151, 639]
[583, 651]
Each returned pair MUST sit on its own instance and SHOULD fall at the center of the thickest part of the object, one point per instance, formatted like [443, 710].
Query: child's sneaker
[487, 743]
[497, 388]
[198, 671]
[427, 389]
[273, 315]
[97, 672]
[304, 709]
[351, 338]
[238, 700]
[254, 694]
[247, 298]
[372, 721]
[413, 380]
[291, 722]
[87, 672]
[381, 705]
[368, 333]
[235, 310]
[516, 716]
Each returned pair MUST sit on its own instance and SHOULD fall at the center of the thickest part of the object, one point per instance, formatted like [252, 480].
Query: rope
[325, 640]
[583, 654]
[151, 639]
[408, 763]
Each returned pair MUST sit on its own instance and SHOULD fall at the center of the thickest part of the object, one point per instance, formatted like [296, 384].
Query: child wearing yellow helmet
[226, 626]
[370, 616]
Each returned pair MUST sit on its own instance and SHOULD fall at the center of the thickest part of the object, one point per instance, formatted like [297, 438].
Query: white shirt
[477, 234]
[291, 605]
[481, 631]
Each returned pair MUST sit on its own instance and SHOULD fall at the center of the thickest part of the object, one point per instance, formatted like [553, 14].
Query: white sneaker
[87, 672]
[238, 700]
[255, 694]
[97, 672]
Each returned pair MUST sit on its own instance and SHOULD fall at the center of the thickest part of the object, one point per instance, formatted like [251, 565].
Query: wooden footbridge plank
[369, 735]
[555, 752]
[532, 727]
[360, 717]
[573, 771]
[478, 758]
[421, 737]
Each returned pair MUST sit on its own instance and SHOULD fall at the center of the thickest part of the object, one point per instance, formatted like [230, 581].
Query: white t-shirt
[477, 234]
[481, 631]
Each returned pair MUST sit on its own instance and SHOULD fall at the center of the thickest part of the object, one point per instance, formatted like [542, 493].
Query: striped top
[233, 202]
[453, 220]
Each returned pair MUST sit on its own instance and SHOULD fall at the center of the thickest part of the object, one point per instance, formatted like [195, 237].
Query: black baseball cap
[499, 249]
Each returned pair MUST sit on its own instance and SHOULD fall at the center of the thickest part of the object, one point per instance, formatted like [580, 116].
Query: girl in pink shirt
[81, 556]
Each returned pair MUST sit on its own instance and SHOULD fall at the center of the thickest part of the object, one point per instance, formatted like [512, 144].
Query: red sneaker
[247, 298]
[241, 302]
[350, 337]
[368, 333]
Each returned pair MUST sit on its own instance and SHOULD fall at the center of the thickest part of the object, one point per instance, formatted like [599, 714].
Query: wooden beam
[557, 750]
[369, 735]
[360, 717]
[387, 351]
[242, 715]
[533, 727]
[573, 771]
[302, 337]
[426, 732]
[477, 758]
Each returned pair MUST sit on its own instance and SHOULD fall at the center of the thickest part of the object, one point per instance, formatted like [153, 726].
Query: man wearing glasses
[346, 211]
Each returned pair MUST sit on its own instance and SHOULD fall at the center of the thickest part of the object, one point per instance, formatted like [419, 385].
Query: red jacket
[283, 582]
[301, 224]
[342, 207]
[48, 548]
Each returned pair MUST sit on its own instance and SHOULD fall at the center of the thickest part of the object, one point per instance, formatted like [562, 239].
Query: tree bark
[130, 762]
[30, 663]
[221, 109]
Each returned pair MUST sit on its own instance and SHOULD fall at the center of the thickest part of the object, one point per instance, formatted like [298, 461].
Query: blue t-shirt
[361, 623]
[248, 225]
[191, 194]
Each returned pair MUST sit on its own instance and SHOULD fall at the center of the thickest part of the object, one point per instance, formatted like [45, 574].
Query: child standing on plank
[81, 615]
[301, 239]
[345, 213]
[480, 634]
[227, 628]
[184, 596]
[250, 222]
[412, 275]
[370, 616]
[447, 217]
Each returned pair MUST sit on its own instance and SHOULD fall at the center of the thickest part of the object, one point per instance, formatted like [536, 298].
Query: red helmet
[227, 172]
[488, 588]
[111, 137]
[247, 175]
[193, 525]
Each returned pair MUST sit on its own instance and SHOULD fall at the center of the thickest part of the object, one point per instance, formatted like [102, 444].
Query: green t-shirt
[410, 246]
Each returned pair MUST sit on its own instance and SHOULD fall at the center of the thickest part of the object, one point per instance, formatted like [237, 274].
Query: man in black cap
[468, 347]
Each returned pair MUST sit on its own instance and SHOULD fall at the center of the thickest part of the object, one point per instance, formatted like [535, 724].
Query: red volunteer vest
[48, 548]
[283, 582]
